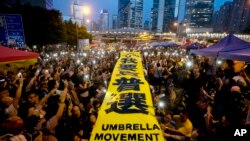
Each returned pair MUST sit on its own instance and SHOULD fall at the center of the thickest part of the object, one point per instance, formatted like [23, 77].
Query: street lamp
[78, 11]
[176, 24]
[88, 21]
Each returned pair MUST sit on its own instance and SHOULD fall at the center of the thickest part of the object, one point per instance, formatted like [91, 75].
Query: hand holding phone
[37, 72]
[19, 74]
[58, 92]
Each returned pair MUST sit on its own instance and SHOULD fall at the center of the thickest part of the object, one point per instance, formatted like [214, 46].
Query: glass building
[48, 4]
[199, 14]
[130, 14]
[104, 20]
[162, 15]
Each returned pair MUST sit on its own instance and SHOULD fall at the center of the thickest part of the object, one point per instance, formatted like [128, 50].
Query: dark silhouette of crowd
[59, 97]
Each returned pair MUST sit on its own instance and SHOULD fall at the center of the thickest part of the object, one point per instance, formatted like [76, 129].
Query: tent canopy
[8, 54]
[194, 45]
[227, 44]
[164, 44]
[153, 44]
[167, 44]
[241, 55]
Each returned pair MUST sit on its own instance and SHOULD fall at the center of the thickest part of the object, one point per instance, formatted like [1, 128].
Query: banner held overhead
[127, 112]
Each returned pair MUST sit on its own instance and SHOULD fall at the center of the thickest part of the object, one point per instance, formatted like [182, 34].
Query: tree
[72, 34]
[42, 26]
[83, 34]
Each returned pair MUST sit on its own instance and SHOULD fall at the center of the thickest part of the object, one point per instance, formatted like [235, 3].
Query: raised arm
[30, 83]
[18, 92]
[44, 99]
[62, 100]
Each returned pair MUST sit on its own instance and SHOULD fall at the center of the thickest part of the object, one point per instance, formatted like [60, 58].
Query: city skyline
[112, 7]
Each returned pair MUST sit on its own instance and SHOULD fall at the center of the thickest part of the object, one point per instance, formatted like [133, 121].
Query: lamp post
[176, 24]
[83, 10]
[179, 29]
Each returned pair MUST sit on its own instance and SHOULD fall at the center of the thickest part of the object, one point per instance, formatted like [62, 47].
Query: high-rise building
[222, 17]
[114, 22]
[104, 20]
[232, 17]
[146, 25]
[162, 15]
[94, 26]
[123, 13]
[154, 15]
[240, 16]
[199, 15]
[136, 14]
[130, 14]
[47, 4]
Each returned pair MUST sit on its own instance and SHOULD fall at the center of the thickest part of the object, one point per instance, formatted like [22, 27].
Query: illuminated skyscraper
[130, 13]
[162, 15]
[222, 17]
[240, 16]
[199, 14]
[123, 13]
[232, 17]
[114, 22]
[104, 20]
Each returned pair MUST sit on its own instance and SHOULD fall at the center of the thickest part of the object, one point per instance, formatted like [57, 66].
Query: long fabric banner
[127, 112]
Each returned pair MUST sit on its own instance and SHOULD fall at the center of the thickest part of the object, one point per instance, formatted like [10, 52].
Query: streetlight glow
[85, 10]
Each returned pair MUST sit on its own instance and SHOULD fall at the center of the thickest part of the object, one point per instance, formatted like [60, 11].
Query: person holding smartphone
[11, 104]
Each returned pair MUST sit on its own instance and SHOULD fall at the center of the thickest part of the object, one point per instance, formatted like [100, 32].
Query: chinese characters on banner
[127, 112]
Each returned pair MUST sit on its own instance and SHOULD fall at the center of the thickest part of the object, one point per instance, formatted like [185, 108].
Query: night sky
[110, 5]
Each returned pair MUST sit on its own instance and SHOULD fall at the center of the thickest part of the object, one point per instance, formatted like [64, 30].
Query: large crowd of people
[59, 97]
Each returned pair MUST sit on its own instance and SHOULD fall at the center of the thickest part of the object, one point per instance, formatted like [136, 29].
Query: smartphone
[37, 72]
[2, 80]
[58, 92]
[86, 77]
[19, 74]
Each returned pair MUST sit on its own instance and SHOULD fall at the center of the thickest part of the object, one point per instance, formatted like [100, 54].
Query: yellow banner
[127, 112]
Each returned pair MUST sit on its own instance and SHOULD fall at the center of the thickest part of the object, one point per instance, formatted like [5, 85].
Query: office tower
[136, 14]
[199, 15]
[162, 15]
[232, 17]
[222, 17]
[146, 25]
[94, 26]
[123, 13]
[130, 14]
[47, 4]
[114, 22]
[240, 16]
[104, 20]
